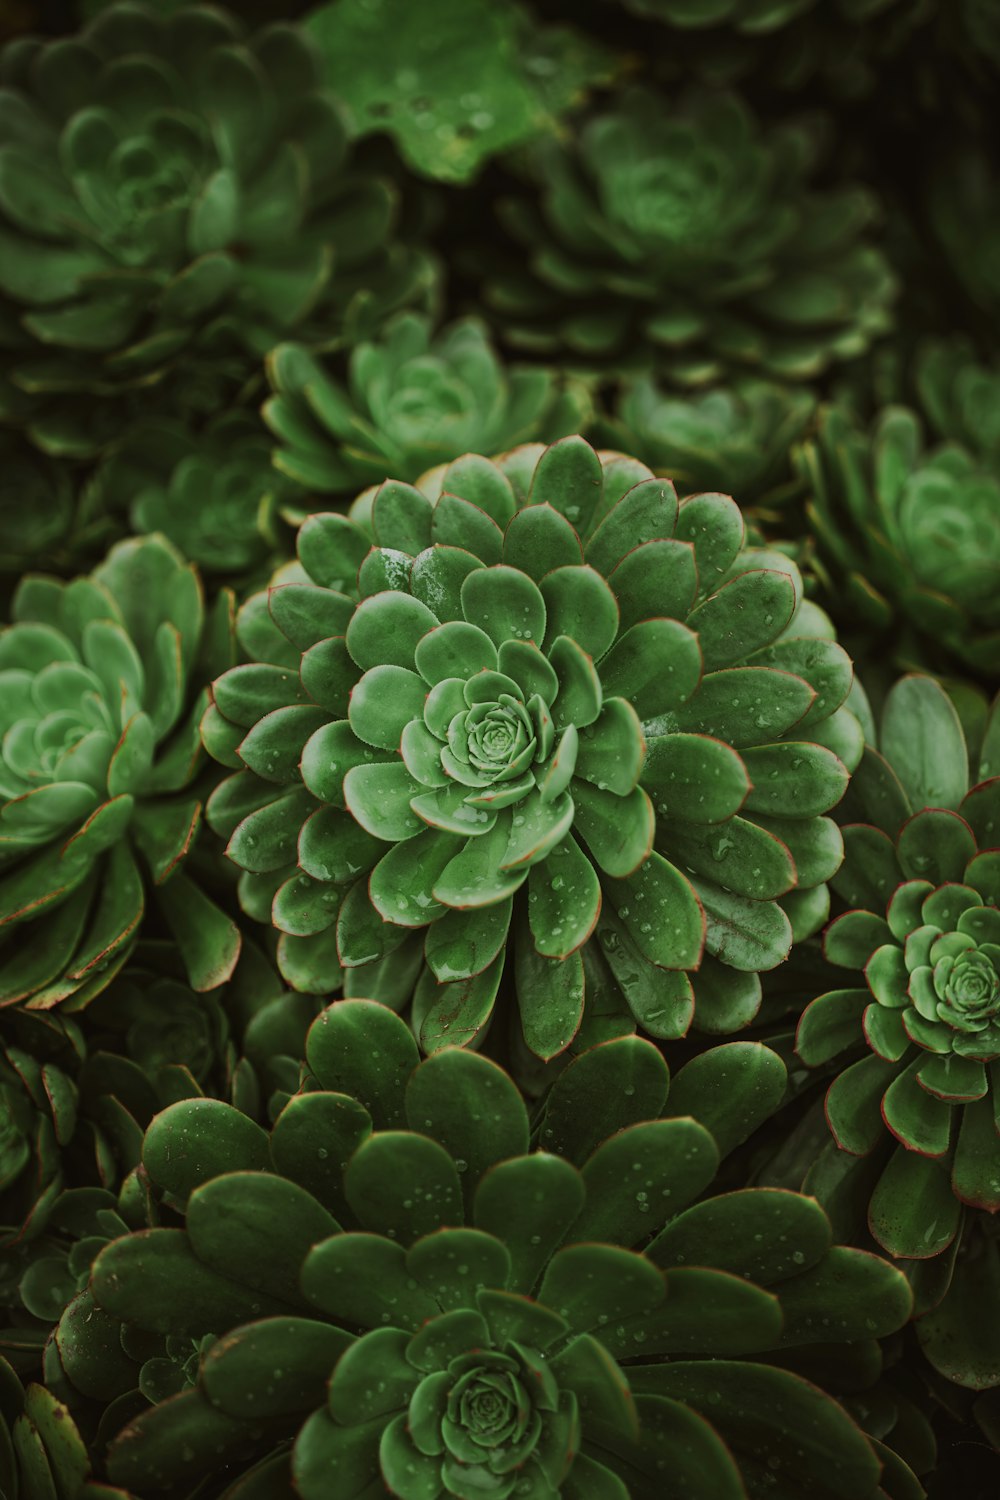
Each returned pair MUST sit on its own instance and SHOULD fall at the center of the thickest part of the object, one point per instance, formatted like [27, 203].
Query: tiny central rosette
[500, 742]
[968, 987]
[489, 1420]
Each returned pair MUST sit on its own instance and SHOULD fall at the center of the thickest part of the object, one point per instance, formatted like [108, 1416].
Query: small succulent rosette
[961, 396]
[909, 539]
[916, 1109]
[549, 728]
[102, 686]
[171, 188]
[414, 1302]
[737, 438]
[675, 232]
[413, 399]
[211, 491]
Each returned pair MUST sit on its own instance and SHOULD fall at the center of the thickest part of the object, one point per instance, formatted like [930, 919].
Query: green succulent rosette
[961, 397]
[102, 686]
[412, 400]
[550, 705]
[961, 206]
[419, 1303]
[36, 504]
[923, 1029]
[736, 438]
[211, 491]
[171, 192]
[908, 538]
[682, 236]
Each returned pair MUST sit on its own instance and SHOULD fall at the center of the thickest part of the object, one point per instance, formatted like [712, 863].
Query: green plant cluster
[499, 750]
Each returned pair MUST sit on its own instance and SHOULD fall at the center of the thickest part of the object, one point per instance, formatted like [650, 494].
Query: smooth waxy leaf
[617, 830]
[748, 935]
[580, 605]
[695, 777]
[154, 1280]
[646, 512]
[661, 913]
[505, 604]
[529, 1203]
[768, 1411]
[765, 1234]
[455, 1014]
[460, 944]
[656, 665]
[923, 742]
[257, 1228]
[197, 1139]
[471, 1107]
[747, 613]
[386, 628]
[588, 1284]
[564, 900]
[449, 120]
[403, 1185]
[550, 996]
[312, 1141]
[706, 1312]
[175, 1441]
[643, 1176]
[274, 1367]
[603, 1090]
[731, 1090]
[383, 702]
[360, 1048]
[611, 751]
[363, 1280]
[913, 1211]
[539, 540]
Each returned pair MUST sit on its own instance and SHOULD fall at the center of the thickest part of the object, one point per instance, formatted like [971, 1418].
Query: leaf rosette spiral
[545, 700]
[447, 1311]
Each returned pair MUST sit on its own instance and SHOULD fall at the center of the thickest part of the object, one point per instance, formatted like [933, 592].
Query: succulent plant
[102, 685]
[961, 397]
[171, 192]
[736, 438]
[37, 504]
[463, 750]
[916, 1039]
[418, 1302]
[684, 237]
[212, 492]
[910, 539]
[961, 203]
[412, 400]
[42, 1452]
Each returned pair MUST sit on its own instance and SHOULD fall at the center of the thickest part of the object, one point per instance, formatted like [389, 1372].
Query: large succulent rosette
[549, 705]
[171, 190]
[417, 1303]
[682, 236]
[102, 686]
[909, 539]
[921, 878]
[412, 400]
